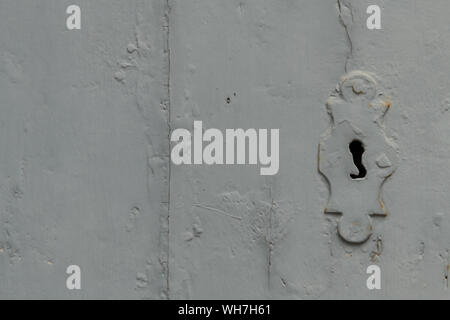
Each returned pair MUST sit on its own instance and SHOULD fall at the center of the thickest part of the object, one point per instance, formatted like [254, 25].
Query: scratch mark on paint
[216, 211]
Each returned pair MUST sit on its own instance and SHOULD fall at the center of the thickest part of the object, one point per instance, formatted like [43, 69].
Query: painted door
[360, 94]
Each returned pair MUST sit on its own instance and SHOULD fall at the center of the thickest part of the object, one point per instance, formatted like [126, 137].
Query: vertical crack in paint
[342, 8]
[269, 238]
[169, 119]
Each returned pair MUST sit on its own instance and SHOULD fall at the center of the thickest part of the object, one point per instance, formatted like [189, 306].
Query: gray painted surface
[85, 118]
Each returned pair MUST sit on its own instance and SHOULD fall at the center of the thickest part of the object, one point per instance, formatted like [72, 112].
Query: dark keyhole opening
[357, 150]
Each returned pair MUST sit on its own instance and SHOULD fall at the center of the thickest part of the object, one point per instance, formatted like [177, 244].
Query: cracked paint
[86, 179]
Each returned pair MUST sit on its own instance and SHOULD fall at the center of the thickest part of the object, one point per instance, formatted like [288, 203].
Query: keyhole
[357, 150]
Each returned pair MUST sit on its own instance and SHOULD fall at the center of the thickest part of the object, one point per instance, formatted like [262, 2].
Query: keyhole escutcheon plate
[356, 156]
